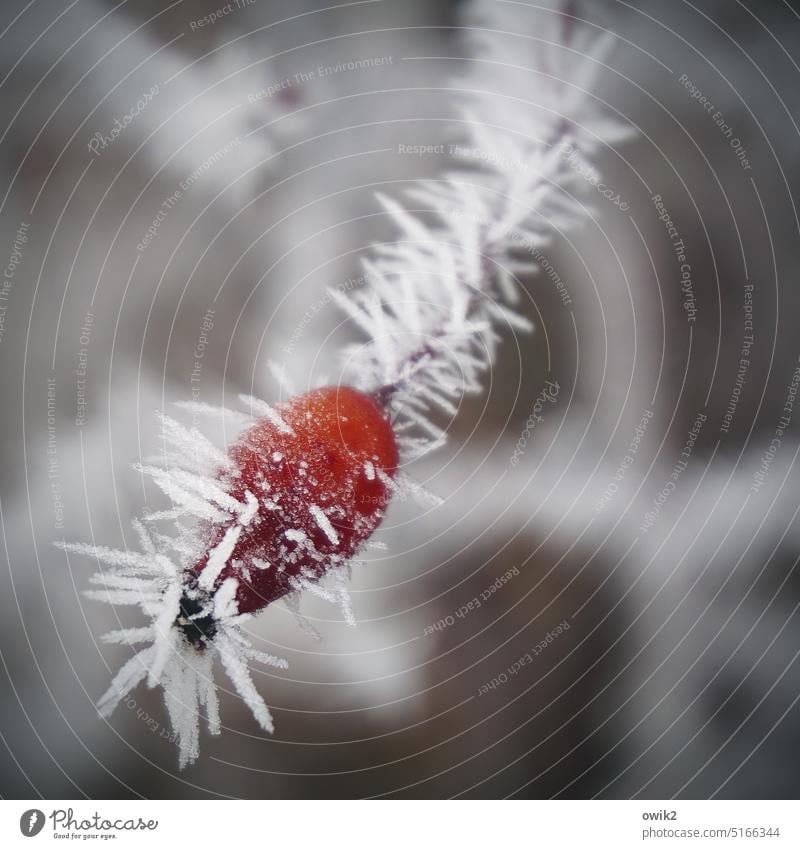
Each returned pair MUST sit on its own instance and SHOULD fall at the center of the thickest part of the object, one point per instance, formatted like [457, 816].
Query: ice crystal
[152, 580]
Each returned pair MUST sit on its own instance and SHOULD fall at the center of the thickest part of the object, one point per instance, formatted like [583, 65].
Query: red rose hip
[314, 477]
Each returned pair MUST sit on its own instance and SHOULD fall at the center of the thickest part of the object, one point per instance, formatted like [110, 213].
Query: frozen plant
[307, 482]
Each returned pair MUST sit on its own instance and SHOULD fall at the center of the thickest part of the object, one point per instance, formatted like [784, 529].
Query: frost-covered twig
[308, 480]
[436, 295]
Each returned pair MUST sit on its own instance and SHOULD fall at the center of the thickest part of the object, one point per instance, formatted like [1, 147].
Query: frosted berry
[315, 477]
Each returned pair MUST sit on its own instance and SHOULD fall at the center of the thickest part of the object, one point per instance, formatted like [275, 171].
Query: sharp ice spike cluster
[154, 582]
[439, 293]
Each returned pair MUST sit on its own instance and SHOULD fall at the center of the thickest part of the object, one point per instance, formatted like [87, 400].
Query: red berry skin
[336, 464]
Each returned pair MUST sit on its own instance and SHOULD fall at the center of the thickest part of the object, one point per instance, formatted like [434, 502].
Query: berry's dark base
[199, 631]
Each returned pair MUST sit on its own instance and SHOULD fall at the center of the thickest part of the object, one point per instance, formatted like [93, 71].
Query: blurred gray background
[678, 675]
